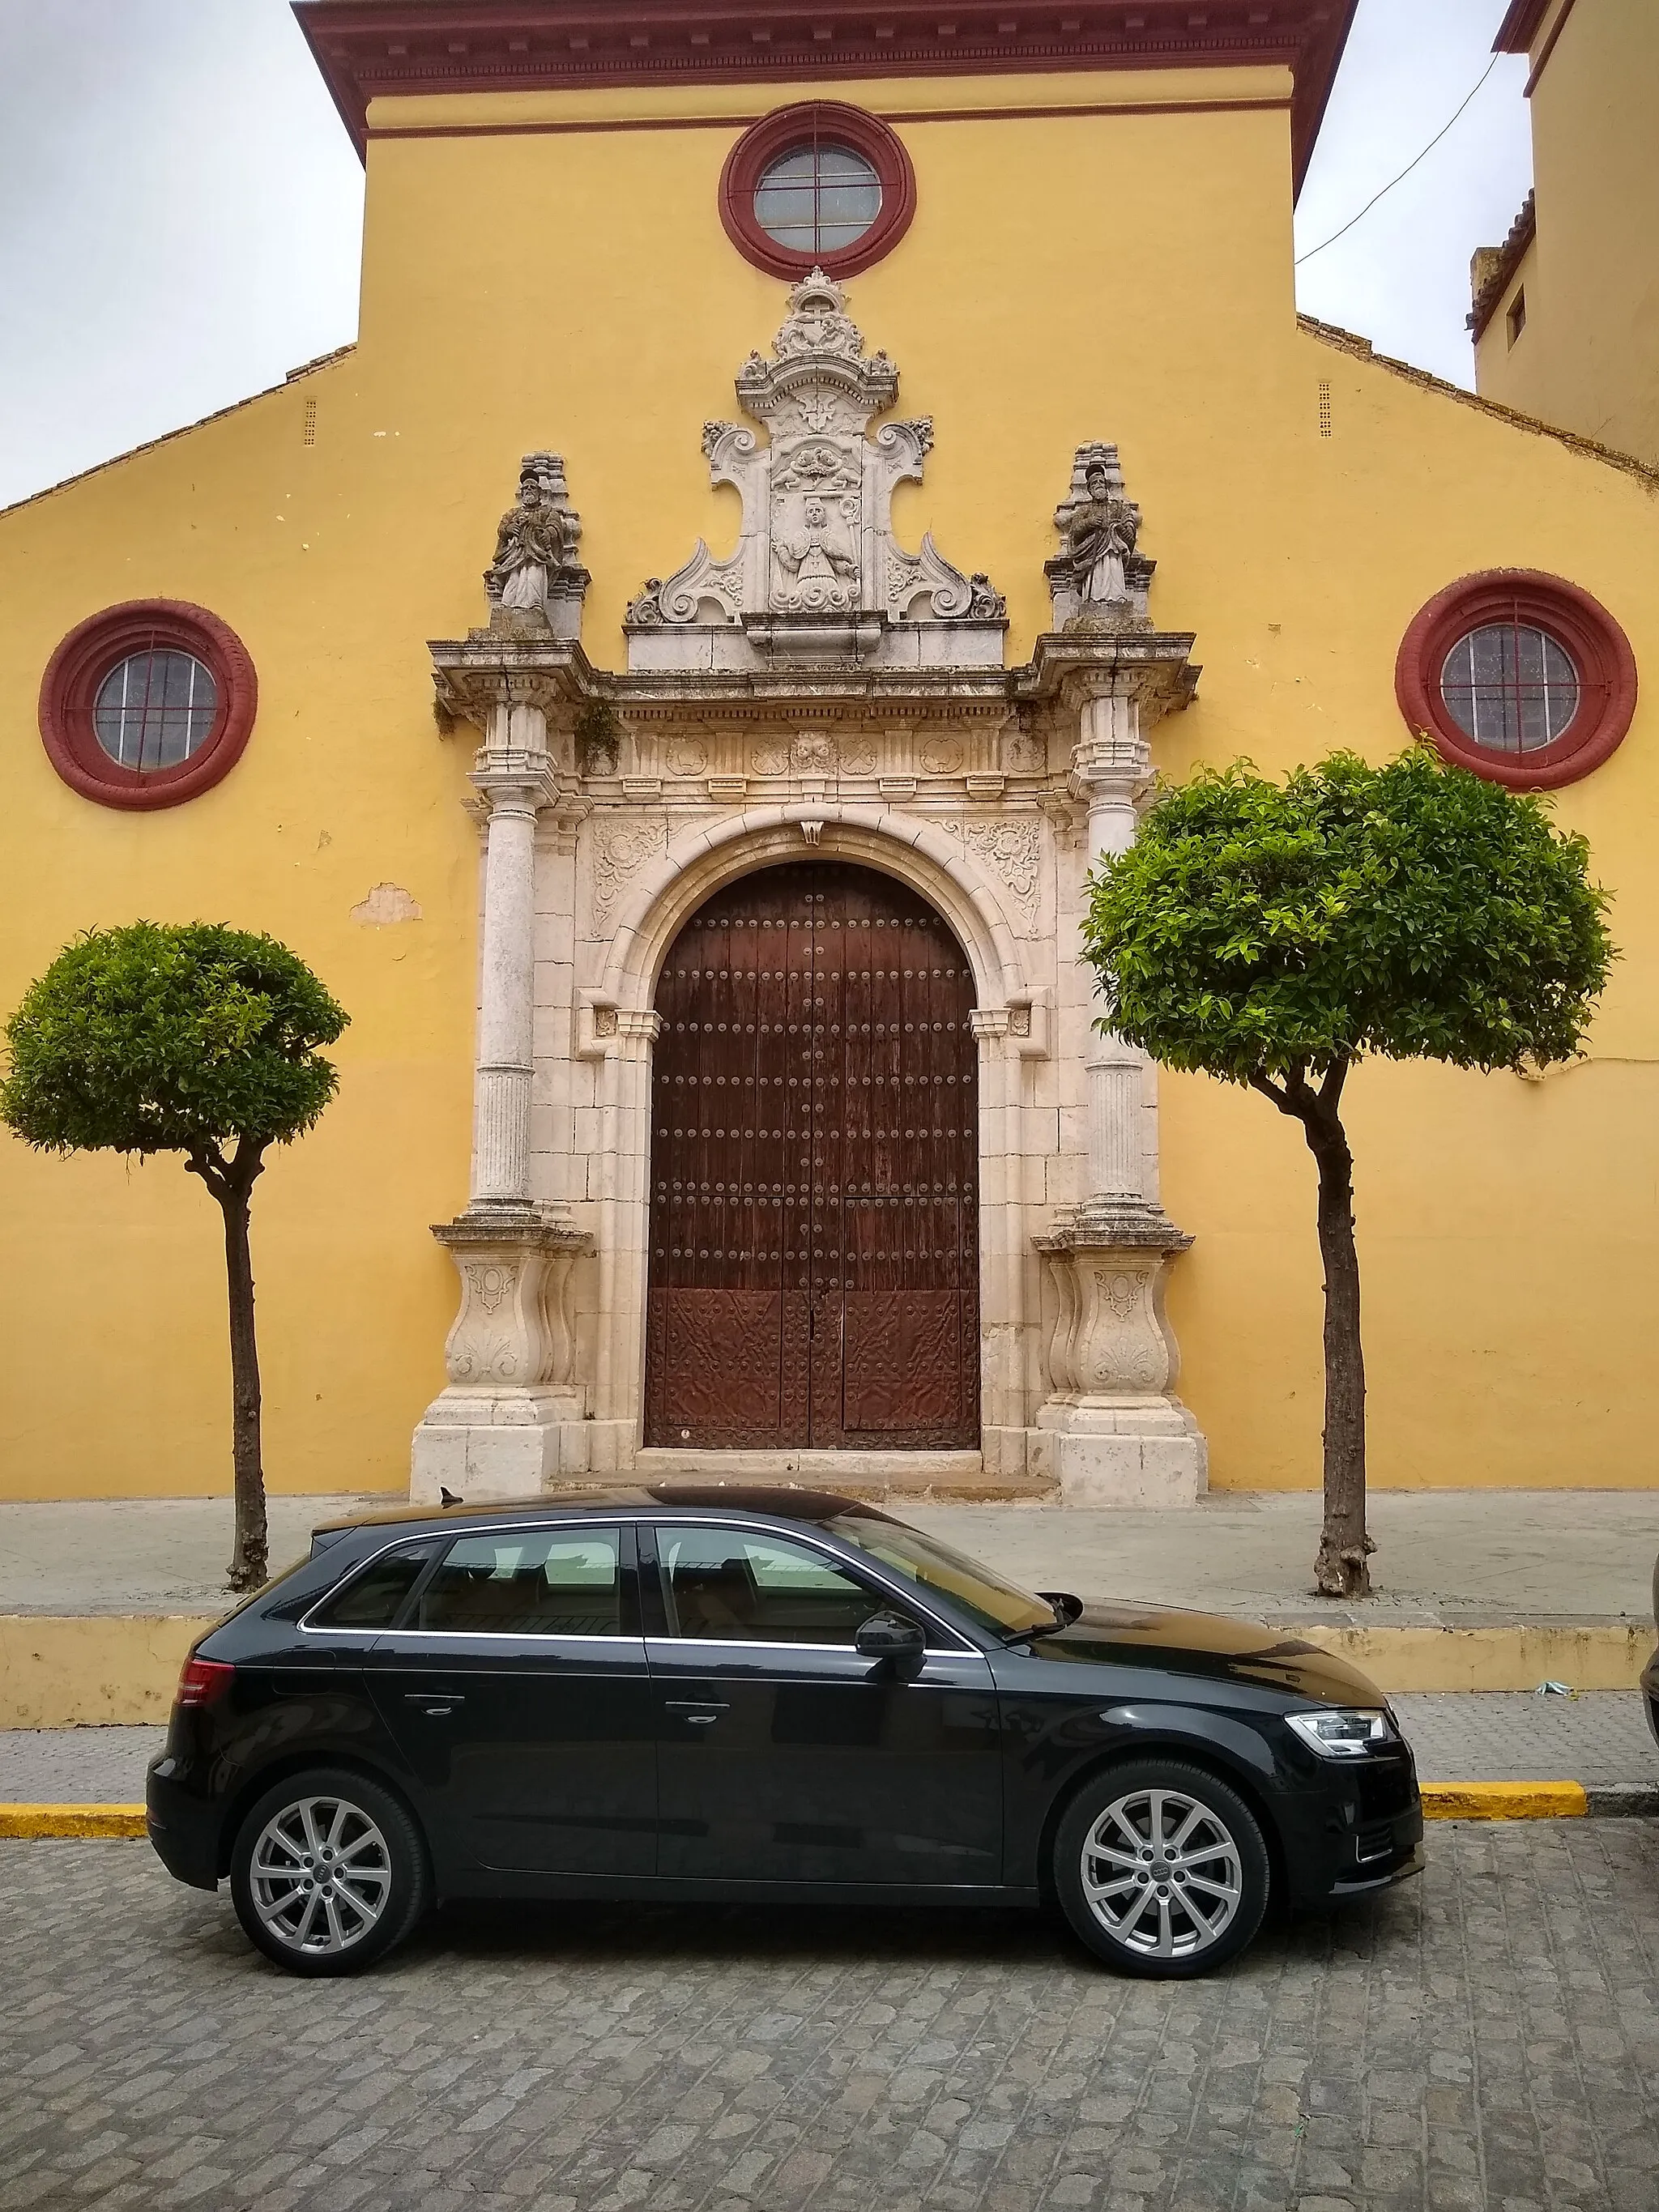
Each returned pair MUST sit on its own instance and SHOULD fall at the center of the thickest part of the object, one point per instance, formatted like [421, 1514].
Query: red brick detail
[70, 688]
[1581, 625]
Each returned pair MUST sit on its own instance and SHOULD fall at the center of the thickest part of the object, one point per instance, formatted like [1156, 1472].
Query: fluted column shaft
[1111, 767]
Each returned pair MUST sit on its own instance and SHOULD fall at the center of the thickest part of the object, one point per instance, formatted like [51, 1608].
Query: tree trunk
[1339, 1570]
[231, 1183]
[1344, 1546]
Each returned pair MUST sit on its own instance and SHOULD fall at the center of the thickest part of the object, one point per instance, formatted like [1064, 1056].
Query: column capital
[512, 779]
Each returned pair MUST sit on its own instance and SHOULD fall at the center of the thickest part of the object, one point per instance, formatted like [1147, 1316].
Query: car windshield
[996, 1604]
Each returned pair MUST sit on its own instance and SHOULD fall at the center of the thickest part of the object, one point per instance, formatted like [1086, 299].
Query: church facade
[909, 450]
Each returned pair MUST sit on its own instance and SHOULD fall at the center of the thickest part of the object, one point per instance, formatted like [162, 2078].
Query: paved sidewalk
[1599, 1739]
[1458, 1559]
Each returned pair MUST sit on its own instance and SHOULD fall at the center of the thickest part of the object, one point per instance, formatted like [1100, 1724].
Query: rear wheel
[1161, 1869]
[328, 1872]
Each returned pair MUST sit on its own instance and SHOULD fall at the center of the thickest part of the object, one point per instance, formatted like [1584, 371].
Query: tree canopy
[159, 1038]
[1414, 910]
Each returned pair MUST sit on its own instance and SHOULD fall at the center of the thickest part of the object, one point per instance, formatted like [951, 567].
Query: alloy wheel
[321, 1874]
[1161, 1875]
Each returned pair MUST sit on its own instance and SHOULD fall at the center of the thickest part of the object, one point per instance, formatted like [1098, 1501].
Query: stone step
[871, 1475]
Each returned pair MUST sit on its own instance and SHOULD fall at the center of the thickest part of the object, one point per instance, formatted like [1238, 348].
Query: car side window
[533, 1582]
[372, 1599]
[732, 1585]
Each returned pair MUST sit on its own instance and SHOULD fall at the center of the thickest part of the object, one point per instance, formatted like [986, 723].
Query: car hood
[1208, 1644]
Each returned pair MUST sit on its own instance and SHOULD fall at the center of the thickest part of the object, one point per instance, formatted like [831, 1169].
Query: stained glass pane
[817, 198]
[154, 709]
[1509, 687]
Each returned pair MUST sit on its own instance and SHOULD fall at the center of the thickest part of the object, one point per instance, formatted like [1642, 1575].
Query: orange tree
[194, 1039]
[1274, 934]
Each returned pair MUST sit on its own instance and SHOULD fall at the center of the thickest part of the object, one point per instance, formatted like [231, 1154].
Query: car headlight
[1341, 1733]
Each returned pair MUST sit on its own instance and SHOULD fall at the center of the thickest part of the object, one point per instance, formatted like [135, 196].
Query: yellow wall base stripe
[1504, 1800]
[71, 1821]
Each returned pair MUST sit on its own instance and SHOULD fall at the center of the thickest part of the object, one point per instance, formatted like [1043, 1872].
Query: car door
[785, 1755]
[516, 1685]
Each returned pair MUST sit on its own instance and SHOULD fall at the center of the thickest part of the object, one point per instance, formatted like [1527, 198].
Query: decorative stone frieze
[817, 576]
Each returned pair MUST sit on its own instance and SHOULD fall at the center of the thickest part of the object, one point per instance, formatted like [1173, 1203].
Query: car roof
[774, 1501]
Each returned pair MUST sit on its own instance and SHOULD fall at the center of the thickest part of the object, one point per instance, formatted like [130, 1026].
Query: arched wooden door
[814, 1237]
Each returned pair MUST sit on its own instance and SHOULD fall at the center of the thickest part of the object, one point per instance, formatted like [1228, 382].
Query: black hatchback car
[767, 1694]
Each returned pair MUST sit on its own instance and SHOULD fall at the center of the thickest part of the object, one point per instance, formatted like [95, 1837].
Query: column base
[1122, 1452]
[492, 1446]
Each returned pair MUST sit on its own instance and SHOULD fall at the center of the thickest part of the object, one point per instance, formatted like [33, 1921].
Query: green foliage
[159, 1038]
[1412, 910]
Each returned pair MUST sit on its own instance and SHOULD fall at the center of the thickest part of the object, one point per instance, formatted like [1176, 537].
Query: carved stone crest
[535, 582]
[817, 574]
[1100, 580]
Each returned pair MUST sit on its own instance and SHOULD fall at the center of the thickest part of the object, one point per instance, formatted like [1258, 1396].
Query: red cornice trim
[372, 48]
[887, 115]
[1519, 26]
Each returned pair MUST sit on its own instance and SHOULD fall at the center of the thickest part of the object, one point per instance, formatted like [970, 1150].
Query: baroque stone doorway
[813, 1270]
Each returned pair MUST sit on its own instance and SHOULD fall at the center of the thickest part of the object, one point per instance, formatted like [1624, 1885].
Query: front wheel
[328, 1872]
[1161, 1869]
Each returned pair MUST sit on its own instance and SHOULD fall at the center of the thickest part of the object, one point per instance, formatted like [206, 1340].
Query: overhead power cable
[1404, 174]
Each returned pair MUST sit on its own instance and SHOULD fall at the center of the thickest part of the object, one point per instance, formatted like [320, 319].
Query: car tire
[328, 1872]
[1112, 1846]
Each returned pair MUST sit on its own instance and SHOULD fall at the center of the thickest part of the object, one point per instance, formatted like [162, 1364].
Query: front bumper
[1358, 1830]
[183, 1828]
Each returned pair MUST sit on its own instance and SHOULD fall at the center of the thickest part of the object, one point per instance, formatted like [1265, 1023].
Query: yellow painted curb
[71, 1821]
[1504, 1800]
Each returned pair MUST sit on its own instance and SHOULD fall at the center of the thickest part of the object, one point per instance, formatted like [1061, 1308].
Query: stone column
[511, 1421]
[1118, 1437]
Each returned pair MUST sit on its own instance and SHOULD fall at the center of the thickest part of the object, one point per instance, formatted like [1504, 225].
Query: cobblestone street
[1486, 2037]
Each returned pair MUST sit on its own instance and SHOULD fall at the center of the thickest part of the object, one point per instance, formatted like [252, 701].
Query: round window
[154, 709]
[818, 199]
[1510, 687]
[148, 704]
[817, 187]
[1521, 677]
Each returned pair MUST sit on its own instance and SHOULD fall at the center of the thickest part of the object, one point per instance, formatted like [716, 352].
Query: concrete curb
[1442, 1801]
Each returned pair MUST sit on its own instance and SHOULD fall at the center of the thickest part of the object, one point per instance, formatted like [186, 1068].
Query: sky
[180, 209]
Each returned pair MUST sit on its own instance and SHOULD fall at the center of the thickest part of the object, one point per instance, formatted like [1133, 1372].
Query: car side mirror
[1067, 1607]
[890, 1636]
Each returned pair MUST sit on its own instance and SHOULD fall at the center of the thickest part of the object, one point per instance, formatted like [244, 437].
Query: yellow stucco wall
[1589, 356]
[1125, 276]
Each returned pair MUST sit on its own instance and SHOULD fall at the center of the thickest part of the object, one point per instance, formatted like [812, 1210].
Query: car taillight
[203, 1680]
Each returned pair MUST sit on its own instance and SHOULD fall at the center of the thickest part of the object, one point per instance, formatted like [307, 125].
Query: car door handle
[700, 1711]
[431, 1703]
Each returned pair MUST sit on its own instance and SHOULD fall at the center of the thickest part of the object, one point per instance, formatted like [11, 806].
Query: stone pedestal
[1110, 1432]
[511, 1421]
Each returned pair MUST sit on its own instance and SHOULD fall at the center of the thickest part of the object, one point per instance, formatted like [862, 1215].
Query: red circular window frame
[816, 122]
[69, 691]
[1596, 646]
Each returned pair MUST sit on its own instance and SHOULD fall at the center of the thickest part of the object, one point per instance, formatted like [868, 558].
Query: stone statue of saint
[1100, 536]
[536, 541]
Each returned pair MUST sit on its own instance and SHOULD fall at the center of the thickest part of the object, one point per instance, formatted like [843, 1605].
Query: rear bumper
[183, 1830]
[1650, 1693]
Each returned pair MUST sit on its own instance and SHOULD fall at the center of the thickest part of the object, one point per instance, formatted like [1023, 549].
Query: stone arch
[699, 862]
